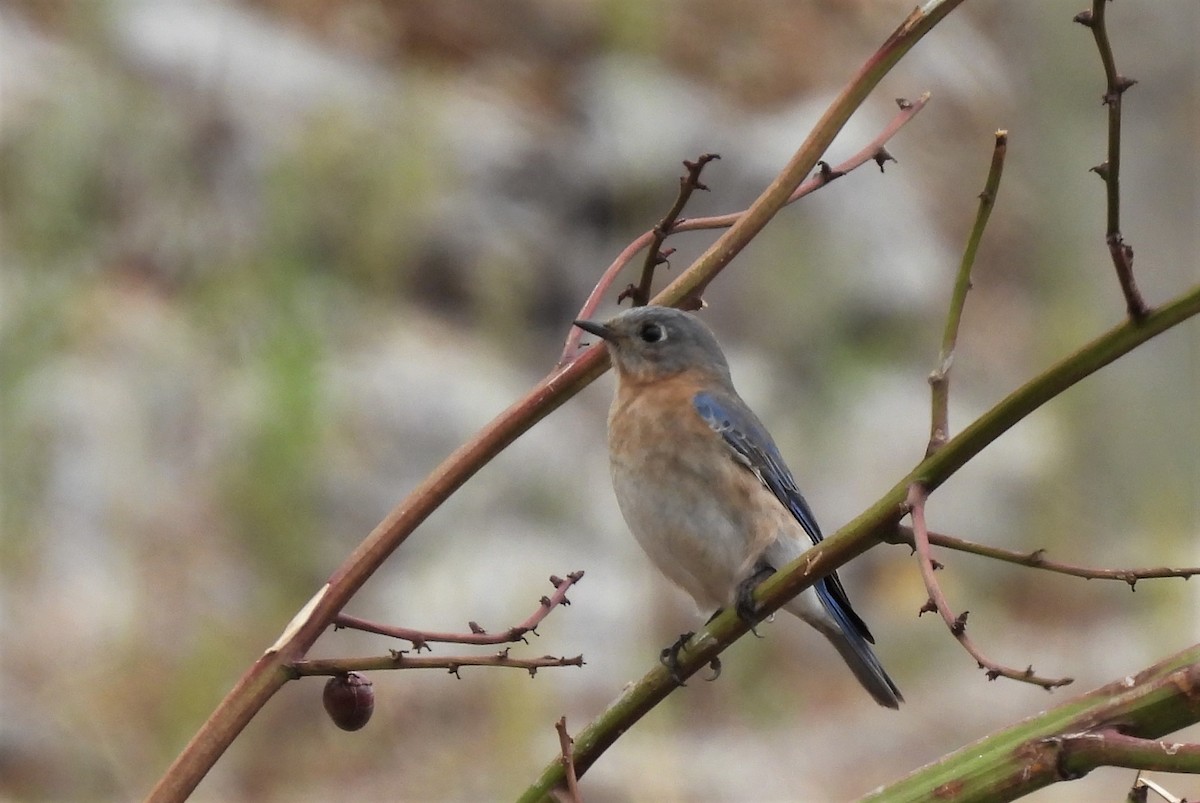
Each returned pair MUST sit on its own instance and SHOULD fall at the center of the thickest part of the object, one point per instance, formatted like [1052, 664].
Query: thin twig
[917, 495]
[874, 151]
[420, 638]
[566, 746]
[1037, 559]
[939, 379]
[655, 256]
[1110, 168]
[398, 659]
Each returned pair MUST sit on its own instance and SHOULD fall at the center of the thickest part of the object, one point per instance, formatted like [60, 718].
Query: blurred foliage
[263, 264]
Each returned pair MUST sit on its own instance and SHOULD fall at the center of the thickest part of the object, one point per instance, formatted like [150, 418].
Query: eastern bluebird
[703, 487]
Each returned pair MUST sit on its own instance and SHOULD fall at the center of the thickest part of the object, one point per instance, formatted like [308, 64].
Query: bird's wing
[753, 447]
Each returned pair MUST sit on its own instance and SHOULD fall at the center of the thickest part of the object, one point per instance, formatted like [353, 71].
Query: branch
[420, 638]
[1080, 753]
[957, 624]
[859, 535]
[655, 256]
[566, 746]
[1029, 755]
[1037, 559]
[873, 151]
[1110, 168]
[400, 660]
[939, 380]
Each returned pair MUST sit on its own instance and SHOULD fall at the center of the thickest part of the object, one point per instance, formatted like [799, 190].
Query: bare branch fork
[939, 382]
[1110, 168]
[420, 639]
[957, 624]
[639, 295]
[873, 151]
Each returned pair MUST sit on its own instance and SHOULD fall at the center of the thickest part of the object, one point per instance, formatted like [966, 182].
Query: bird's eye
[652, 333]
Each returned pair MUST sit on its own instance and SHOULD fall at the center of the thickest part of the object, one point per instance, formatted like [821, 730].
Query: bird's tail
[859, 656]
[852, 640]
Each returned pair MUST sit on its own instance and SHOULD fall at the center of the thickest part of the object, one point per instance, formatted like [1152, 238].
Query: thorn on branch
[1100, 170]
[904, 103]
[1124, 82]
[827, 173]
[882, 157]
[928, 607]
[475, 628]
[1084, 18]
[960, 624]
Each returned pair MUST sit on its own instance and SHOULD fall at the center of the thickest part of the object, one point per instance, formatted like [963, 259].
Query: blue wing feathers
[749, 439]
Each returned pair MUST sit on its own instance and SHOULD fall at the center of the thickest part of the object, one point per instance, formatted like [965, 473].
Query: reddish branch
[398, 659]
[874, 151]
[1037, 559]
[420, 638]
[917, 495]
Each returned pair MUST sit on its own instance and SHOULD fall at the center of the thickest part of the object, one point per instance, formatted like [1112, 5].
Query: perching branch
[957, 624]
[859, 535]
[1037, 559]
[939, 380]
[420, 638]
[1110, 168]
[873, 151]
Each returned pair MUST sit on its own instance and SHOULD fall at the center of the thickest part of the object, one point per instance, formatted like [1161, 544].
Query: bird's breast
[685, 499]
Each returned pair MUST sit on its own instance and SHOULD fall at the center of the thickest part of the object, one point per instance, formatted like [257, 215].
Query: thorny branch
[420, 638]
[1110, 168]
[655, 256]
[917, 495]
[1037, 559]
[873, 151]
[399, 659]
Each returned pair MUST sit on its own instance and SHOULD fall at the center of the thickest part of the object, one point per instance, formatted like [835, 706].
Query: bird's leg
[669, 657]
[743, 598]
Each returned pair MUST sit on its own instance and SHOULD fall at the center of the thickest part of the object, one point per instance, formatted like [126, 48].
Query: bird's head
[651, 343]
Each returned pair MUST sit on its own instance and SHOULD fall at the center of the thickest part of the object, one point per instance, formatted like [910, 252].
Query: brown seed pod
[349, 700]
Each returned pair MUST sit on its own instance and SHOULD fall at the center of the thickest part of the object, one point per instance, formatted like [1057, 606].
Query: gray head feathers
[649, 343]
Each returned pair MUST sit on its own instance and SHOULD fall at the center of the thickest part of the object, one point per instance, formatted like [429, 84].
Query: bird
[703, 487]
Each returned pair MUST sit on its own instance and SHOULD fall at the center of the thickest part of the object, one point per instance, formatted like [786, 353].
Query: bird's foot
[669, 657]
[715, 666]
[743, 599]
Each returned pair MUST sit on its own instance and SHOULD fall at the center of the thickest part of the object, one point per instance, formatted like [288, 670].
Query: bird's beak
[598, 329]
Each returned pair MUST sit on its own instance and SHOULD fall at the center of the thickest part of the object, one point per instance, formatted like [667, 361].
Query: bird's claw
[743, 600]
[715, 666]
[669, 658]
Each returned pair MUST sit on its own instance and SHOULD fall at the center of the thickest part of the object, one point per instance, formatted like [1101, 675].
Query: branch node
[882, 157]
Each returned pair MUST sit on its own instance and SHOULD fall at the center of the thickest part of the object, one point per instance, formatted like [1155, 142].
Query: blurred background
[264, 264]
